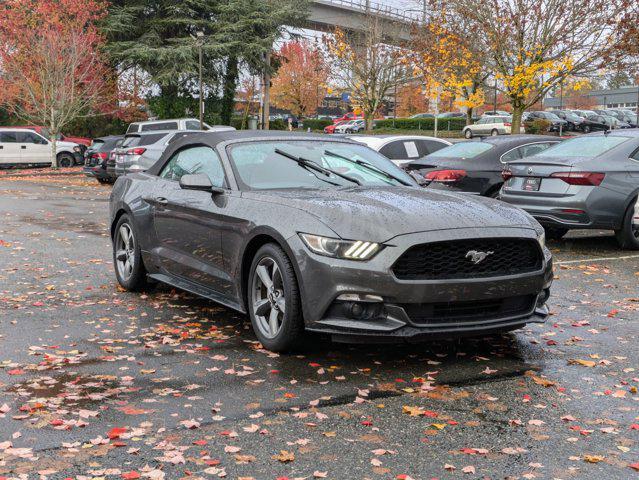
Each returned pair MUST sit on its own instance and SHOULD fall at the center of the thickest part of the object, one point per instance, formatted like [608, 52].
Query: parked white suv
[490, 125]
[174, 124]
[21, 146]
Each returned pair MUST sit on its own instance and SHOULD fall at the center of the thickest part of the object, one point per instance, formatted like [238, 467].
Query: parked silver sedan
[139, 151]
[591, 181]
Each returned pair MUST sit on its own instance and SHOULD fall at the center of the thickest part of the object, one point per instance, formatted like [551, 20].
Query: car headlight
[347, 249]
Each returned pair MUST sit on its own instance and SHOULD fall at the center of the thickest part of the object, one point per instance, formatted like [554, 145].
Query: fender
[269, 231]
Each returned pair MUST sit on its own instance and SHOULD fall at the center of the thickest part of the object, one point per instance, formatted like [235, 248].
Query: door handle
[23, 147]
[162, 200]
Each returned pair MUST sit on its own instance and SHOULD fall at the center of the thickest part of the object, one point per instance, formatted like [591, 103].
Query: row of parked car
[112, 156]
[586, 120]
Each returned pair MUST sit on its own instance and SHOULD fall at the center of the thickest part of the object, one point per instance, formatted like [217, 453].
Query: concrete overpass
[350, 15]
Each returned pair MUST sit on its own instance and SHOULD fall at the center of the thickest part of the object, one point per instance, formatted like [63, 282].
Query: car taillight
[506, 175]
[136, 151]
[580, 178]
[506, 124]
[446, 176]
[99, 156]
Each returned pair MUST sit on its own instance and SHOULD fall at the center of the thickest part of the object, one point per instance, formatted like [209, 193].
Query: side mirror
[199, 181]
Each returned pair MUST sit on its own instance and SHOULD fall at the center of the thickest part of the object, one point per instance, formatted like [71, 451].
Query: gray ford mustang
[305, 233]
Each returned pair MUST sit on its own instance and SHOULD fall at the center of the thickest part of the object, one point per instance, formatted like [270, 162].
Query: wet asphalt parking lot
[100, 383]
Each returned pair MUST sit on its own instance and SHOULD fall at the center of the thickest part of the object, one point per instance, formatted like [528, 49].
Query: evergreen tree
[157, 36]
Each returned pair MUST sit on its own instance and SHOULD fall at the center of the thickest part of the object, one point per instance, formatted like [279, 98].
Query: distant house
[624, 97]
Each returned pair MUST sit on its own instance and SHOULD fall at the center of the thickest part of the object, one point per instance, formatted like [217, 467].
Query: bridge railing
[379, 9]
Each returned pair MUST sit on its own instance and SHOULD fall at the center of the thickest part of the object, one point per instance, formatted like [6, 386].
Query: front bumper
[393, 308]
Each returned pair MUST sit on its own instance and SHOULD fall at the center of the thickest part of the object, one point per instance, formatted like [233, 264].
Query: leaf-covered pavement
[100, 383]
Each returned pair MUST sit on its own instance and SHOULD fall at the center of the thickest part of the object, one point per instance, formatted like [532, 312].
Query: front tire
[494, 132]
[65, 160]
[628, 235]
[274, 304]
[127, 256]
[468, 133]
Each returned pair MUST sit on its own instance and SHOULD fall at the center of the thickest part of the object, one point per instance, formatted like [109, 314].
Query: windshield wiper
[367, 165]
[303, 162]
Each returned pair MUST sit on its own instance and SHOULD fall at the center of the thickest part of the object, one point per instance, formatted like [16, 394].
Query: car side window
[30, 137]
[428, 146]
[533, 149]
[511, 155]
[635, 155]
[195, 160]
[8, 137]
[192, 125]
[394, 150]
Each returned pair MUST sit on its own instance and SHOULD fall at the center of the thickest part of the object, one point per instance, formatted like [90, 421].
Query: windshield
[260, 167]
[462, 150]
[584, 147]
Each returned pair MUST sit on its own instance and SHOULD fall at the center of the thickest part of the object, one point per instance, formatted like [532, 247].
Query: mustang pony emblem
[476, 256]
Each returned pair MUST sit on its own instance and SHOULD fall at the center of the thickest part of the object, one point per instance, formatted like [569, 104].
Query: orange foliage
[300, 83]
[411, 99]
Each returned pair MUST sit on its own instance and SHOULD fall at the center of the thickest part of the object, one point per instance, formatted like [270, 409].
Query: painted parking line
[596, 259]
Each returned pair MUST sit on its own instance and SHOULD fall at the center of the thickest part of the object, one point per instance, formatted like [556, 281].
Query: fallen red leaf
[115, 432]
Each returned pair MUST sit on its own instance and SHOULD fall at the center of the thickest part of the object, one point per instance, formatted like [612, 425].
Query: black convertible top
[212, 139]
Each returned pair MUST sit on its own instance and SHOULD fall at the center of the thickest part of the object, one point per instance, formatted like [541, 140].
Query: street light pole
[561, 104]
[495, 97]
[200, 42]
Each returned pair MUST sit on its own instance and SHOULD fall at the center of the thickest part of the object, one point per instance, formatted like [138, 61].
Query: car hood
[65, 144]
[380, 214]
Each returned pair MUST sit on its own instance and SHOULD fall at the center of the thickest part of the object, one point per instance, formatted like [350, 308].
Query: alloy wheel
[125, 251]
[269, 302]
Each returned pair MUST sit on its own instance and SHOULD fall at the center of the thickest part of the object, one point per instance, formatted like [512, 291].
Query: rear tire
[494, 132]
[628, 235]
[274, 304]
[586, 128]
[468, 133]
[553, 233]
[103, 181]
[127, 256]
[65, 160]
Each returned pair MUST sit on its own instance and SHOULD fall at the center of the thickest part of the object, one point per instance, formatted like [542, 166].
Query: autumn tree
[448, 60]
[533, 45]
[411, 99]
[301, 81]
[366, 65]
[50, 67]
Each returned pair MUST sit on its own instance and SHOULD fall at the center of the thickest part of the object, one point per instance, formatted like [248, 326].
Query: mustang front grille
[485, 257]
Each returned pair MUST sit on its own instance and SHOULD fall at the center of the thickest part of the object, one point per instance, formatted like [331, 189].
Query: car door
[188, 223]
[33, 148]
[9, 148]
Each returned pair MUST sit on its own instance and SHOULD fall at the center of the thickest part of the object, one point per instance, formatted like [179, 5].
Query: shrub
[540, 125]
[422, 123]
